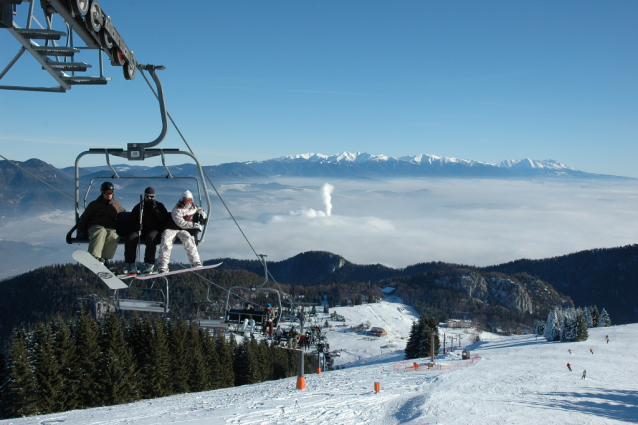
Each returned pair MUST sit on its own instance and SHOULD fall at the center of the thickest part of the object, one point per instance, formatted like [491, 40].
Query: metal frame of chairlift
[208, 308]
[254, 288]
[149, 306]
[87, 19]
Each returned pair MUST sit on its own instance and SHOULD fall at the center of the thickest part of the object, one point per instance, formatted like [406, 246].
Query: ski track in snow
[516, 380]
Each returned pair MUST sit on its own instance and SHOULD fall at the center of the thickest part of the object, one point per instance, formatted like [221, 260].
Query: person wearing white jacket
[178, 226]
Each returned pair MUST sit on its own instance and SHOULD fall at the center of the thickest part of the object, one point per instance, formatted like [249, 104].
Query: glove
[82, 235]
[202, 213]
[197, 226]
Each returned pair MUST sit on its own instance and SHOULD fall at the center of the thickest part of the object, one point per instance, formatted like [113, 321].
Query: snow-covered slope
[516, 380]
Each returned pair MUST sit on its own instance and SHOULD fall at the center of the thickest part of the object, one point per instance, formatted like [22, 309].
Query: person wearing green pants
[98, 223]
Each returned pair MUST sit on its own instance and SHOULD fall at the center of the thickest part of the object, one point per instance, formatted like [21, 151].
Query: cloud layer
[474, 222]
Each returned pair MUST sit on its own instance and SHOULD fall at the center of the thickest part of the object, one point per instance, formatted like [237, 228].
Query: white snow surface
[360, 157]
[516, 380]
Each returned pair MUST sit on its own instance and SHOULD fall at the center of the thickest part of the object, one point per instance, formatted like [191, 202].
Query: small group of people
[247, 318]
[292, 336]
[152, 223]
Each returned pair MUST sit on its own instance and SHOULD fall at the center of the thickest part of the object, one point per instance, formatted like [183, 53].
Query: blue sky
[252, 80]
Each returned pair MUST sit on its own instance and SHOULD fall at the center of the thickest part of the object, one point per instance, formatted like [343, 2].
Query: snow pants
[166, 247]
[102, 242]
[246, 323]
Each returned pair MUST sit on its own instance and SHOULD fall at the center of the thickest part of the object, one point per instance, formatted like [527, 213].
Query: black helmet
[107, 186]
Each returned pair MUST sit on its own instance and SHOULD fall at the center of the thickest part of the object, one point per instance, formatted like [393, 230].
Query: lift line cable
[209, 180]
[36, 177]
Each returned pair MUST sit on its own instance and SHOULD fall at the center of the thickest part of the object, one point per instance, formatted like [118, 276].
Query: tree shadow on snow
[620, 405]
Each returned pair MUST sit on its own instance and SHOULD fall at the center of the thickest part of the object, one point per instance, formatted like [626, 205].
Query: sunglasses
[107, 192]
[187, 200]
[150, 196]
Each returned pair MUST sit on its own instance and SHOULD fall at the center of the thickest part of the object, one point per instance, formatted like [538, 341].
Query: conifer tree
[117, 367]
[64, 350]
[245, 364]
[85, 372]
[265, 361]
[414, 340]
[551, 333]
[47, 370]
[199, 373]
[177, 341]
[211, 360]
[595, 317]
[19, 395]
[570, 325]
[156, 370]
[226, 376]
[587, 314]
[581, 326]
[605, 321]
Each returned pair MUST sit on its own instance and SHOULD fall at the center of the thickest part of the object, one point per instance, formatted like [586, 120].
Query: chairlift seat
[236, 316]
[123, 229]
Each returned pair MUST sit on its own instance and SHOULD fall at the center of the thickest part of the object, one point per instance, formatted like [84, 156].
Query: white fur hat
[187, 195]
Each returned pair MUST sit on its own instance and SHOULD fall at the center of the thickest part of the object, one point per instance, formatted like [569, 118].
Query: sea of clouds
[396, 223]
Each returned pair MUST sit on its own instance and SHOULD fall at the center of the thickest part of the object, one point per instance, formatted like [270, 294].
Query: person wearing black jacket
[98, 223]
[153, 216]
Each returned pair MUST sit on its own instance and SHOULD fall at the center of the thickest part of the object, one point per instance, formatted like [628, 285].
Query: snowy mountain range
[365, 165]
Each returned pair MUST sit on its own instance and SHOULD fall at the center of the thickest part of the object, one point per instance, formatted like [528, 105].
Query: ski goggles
[107, 192]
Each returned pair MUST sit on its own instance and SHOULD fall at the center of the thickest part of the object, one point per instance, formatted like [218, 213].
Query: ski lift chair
[150, 299]
[210, 314]
[234, 317]
[140, 152]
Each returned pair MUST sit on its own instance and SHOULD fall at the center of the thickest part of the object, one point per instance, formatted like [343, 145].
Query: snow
[517, 379]
[360, 157]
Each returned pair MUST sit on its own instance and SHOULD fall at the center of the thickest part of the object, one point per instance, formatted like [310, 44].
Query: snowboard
[192, 269]
[91, 263]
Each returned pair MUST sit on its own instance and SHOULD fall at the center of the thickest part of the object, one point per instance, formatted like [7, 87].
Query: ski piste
[192, 269]
[91, 263]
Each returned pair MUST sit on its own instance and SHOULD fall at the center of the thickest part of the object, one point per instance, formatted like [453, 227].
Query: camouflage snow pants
[169, 235]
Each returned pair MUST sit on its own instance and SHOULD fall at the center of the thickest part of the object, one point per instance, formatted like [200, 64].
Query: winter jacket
[154, 216]
[100, 212]
[182, 218]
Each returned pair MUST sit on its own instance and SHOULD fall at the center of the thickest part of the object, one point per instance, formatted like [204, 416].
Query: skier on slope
[569, 367]
[584, 374]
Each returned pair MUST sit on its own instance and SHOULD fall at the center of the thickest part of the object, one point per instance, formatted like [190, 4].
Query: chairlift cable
[212, 184]
[37, 178]
[209, 180]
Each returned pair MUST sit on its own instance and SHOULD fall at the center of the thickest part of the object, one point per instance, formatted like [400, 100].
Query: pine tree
[587, 314]
[117, 367]
[65, 352]
[156, 370]
[19, 395]
[581, 326]
[570, 325]
[226, 376]
[211, 360]
[47, 370]
[177, 341]
[595, 317]
[198, 373]
[246, 364]
[414, 340]
[551, 332]
[85, 372]
[605, 321]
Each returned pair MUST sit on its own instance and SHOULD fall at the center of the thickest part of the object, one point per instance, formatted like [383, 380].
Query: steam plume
[326, 191]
